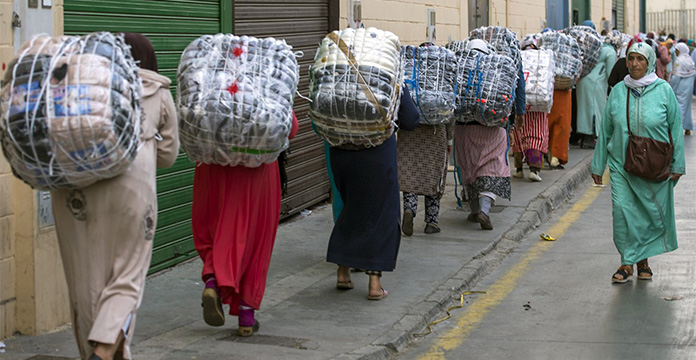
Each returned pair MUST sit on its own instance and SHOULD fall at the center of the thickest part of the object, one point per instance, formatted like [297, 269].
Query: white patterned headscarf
[683, 64]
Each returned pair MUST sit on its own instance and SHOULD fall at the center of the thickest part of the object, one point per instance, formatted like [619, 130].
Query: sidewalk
[303, 316]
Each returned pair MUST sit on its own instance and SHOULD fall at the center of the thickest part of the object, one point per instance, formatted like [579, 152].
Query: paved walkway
[303, 316]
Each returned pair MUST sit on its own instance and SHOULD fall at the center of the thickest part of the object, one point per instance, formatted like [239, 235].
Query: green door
[170, 25]
[581, 11]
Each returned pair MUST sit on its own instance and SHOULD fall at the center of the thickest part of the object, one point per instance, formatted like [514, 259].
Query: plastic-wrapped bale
[456, 45]
[70, 110]
[568, 55]
[539, 75]
[486, 87]
[235, 96]
[503, 39]
[431, 73]
[590, 45]
[355, 86]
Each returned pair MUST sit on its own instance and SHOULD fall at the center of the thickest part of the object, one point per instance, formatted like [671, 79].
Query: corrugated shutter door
[302, 24]
[170, 25]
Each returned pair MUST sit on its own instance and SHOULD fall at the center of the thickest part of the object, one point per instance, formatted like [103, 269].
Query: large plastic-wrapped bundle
[354, 86]
[235, 97]
[539, 75]
[590, 45]
[568, 55]
[503, 39]
[431, 73]
[486, 84]
[70, 110]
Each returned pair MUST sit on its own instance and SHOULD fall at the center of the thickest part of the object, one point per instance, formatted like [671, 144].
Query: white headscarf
[683, 64]
[478, 44]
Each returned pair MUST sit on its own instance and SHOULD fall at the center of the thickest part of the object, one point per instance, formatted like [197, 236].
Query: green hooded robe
[592, 92]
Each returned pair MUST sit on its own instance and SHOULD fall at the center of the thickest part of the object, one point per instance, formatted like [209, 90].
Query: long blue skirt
[367, 233]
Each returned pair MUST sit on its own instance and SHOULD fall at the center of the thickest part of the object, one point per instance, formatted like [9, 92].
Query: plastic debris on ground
[486, 83]
[539, 69]
[70, 110]
[2, 347]
[502, 39]
[235, 96]
[590, 44]
[355, 86]
[547, 237]
[305, 213]
[431, 74]
[568, 55]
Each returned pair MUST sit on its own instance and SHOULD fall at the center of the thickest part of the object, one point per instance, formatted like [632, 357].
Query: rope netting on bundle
[355, 86]
[431, 74]
[70, 110]
[235, 96]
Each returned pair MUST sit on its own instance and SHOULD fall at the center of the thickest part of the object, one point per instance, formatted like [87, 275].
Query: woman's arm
[295, 126]
[409, 117]
[601, 152]
[675, 125]
[168, 146]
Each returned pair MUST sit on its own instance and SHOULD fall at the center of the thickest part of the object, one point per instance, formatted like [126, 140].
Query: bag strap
[628, 122]
[361, 80]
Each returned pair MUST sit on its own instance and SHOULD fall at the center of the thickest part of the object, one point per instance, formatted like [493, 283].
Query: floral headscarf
[614, 39]
[647, 52]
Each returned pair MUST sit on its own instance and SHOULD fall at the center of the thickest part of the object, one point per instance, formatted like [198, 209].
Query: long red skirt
[235, 219]
[559, 125]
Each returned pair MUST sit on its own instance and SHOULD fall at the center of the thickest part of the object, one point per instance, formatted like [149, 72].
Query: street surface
[555, 300]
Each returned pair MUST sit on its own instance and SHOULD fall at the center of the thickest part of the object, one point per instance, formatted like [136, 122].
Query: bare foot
[343, 274]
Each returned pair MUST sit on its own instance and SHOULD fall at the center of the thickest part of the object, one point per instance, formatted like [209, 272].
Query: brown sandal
[625, 272]
[644, 271]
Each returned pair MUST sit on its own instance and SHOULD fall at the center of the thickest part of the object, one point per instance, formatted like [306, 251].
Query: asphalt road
[555, 300]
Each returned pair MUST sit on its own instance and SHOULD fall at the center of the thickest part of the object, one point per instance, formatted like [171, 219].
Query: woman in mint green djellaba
[643, 210]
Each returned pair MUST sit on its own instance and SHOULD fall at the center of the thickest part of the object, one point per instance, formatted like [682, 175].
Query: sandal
[381, 296]
[346, 285]
[625, 271]
[644, 271]
[246, 331]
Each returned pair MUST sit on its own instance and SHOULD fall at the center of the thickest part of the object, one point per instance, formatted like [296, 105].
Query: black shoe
[407, 223]
[431, 228]
[587, 142]
[485, 221]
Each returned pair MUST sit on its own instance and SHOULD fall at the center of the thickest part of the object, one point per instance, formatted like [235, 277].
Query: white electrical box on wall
[430, 32]
[354, 14]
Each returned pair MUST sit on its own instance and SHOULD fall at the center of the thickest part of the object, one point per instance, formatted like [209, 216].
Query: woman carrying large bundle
[235, 128]
[682, 81]
[422, 153]
[643, 210]
[355, 89]
[106, 230]
[481, 153]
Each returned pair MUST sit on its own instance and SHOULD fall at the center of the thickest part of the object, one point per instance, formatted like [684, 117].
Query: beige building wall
[33, 294]
[522, 16]
[408, 18]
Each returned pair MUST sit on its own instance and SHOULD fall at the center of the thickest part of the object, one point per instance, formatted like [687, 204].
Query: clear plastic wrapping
[431, 74]
[539, 73]
[354, 86]
[503, 40]
[235, 96]
[568, 55]
[70, 110]
[590, 44]
[486, 83]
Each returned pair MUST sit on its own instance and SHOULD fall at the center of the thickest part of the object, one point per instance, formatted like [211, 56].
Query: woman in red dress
[235, 219]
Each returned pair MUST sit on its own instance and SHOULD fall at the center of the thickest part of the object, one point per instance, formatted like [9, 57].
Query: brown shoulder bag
[646, 157]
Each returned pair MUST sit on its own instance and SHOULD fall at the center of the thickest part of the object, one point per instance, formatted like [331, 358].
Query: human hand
[675, 177]
[597, 179]
[449, 149]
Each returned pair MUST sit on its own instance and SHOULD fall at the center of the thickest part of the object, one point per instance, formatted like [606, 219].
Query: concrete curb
[539, 210]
